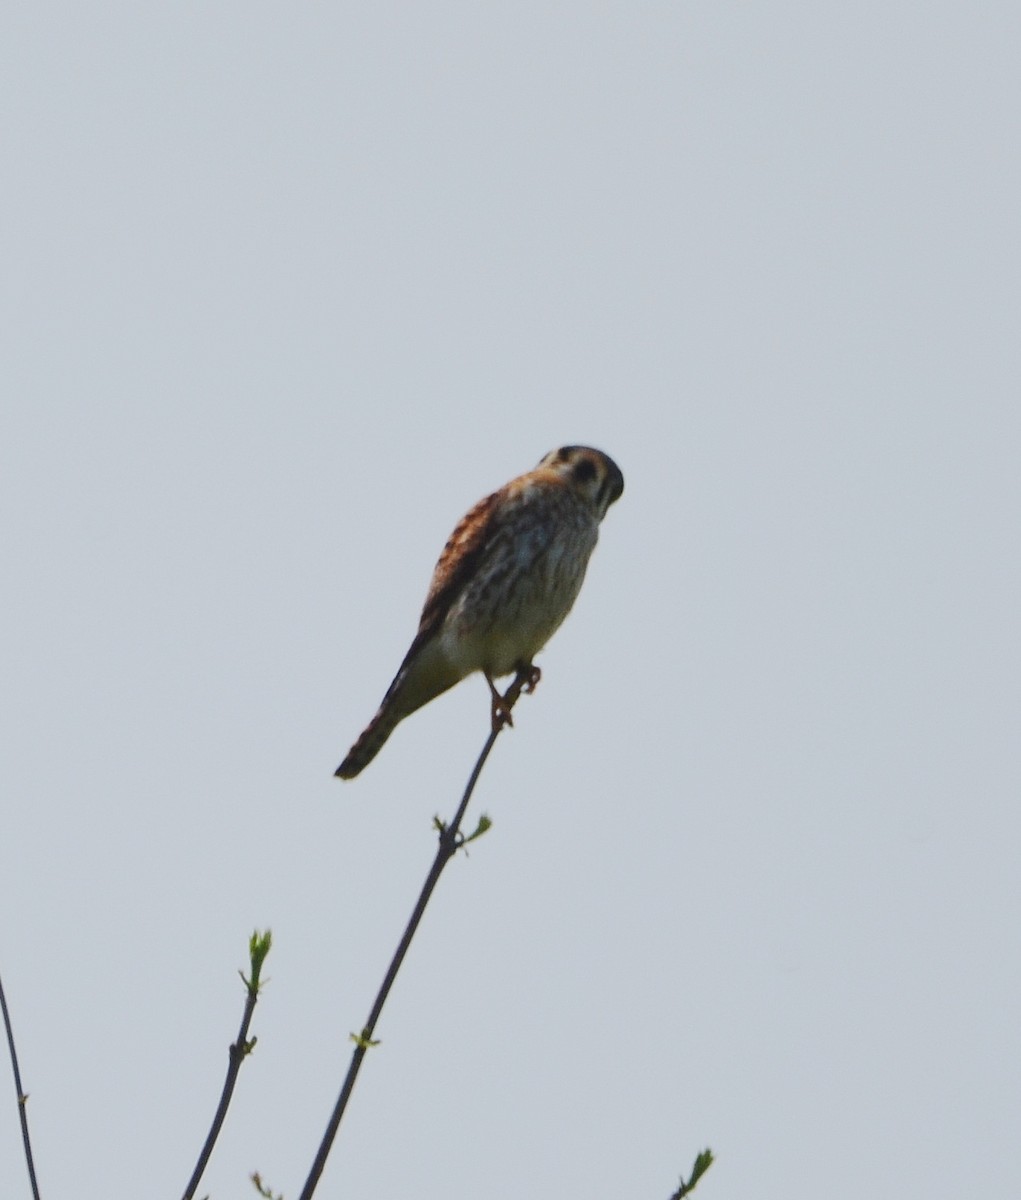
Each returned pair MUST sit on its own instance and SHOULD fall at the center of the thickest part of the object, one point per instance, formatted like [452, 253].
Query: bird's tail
[424, 674]
[370, 741]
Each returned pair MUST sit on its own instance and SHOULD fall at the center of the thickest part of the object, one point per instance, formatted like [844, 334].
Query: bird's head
[590, 473]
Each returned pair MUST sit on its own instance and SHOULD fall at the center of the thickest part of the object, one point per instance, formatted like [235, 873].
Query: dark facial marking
[584, 471]
[611, 490]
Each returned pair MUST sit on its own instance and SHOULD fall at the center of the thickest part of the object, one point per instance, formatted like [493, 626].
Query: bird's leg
[501, 713]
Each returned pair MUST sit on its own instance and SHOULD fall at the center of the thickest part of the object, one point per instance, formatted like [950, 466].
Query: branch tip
[703, 1161]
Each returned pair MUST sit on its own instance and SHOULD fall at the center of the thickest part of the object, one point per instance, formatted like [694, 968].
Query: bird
[506, 579]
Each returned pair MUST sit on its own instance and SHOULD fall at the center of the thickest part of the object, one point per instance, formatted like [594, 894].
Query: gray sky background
[284, 292]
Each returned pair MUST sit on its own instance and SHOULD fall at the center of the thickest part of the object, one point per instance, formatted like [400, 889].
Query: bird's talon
[500, 710]
[501, 714]
[531, 680]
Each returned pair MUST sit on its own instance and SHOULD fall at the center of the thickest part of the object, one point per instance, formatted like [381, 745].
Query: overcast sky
[285, 290]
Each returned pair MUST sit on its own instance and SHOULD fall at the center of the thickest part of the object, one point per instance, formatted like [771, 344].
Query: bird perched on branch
[505, 581]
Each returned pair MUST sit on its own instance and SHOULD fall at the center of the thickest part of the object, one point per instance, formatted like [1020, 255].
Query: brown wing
[459, 560]
[458, 563]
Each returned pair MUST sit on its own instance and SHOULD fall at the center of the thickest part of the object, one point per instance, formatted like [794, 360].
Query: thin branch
[258, 948]
[450, 841]
[22, 1096]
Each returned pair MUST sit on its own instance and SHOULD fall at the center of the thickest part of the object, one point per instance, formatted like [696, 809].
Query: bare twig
[22, 1096]
[258, 948]
[450, 841]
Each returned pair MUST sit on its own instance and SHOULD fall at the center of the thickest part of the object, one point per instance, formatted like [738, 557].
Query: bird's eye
[584, 471]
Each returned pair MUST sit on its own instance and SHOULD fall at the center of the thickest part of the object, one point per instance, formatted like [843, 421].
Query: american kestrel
[506, 579]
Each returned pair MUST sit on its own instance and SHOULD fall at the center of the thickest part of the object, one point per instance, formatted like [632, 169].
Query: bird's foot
[532, 676]
[500, 709]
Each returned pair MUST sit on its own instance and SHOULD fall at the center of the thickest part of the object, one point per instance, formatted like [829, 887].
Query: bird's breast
[524, 587]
